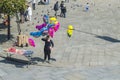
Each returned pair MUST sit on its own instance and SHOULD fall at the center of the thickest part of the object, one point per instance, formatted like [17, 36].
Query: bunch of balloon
[49, 27]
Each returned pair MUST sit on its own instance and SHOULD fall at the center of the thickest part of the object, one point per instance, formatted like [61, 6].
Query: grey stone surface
[92, 53]
[2, 72]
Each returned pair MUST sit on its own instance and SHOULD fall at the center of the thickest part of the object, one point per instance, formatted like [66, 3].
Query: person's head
[62, 1]
[48, 37]
[28, 6]
[57, 2]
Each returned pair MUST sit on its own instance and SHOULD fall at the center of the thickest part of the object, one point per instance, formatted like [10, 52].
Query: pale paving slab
[93, 46]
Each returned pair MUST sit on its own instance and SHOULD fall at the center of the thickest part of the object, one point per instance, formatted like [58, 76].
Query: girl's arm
[43, 39]
[52, 43]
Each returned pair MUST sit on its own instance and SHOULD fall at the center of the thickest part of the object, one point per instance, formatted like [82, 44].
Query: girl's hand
[51, 48]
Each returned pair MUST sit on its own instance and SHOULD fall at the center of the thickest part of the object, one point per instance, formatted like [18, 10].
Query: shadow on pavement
[85, 32]
[3, 38]
[17, 64]
[53, 59]
[37, 59]
[107, 38]
[21, 63]
[41, 60]
[2, 26]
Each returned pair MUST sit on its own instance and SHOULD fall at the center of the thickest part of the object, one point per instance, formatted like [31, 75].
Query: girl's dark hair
[47, 37]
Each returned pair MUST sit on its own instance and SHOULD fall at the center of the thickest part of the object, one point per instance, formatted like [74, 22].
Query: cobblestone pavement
[92, 53]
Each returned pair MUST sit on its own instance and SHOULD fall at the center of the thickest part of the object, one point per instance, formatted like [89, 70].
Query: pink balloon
[56, 27]
[31, 42]
[51, 32]
[40, 26]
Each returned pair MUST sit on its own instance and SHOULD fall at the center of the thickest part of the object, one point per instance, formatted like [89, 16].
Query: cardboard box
[22, 40]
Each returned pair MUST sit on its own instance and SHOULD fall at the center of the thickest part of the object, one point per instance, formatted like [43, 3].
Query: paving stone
[2, 73]
[94, 44]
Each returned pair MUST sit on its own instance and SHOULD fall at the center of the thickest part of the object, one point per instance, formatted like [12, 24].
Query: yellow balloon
[70, 27]
[53, 20]
[70, 30]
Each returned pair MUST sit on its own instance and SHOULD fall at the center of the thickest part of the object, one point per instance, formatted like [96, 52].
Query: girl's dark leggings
[47, 54]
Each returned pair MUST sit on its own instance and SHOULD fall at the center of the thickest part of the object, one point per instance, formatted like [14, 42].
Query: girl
[47, 47]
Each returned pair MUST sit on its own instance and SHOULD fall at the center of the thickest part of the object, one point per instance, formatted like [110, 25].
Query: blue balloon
[36, 34]
[39, 33]
[50, 25]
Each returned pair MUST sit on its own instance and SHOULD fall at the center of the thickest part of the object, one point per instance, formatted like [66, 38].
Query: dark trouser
[25, 16]
[55, 13]
[64, 15]
[33, 6]
[47, 54]
[61, 14]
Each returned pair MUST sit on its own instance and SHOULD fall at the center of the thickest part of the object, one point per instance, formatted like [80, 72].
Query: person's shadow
[52, 59]
[37, 59]
[107, 38]
[41, 60]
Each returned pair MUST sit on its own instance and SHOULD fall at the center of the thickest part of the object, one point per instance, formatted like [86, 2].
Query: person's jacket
[56, 7]
[64, 10]
[48, 44]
